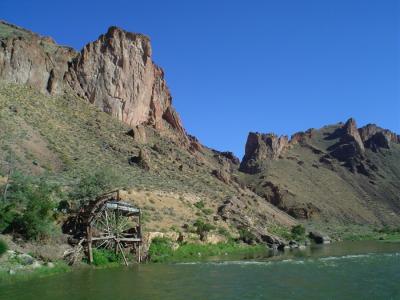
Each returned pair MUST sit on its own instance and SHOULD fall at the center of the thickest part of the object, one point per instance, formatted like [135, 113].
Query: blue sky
[240, 66]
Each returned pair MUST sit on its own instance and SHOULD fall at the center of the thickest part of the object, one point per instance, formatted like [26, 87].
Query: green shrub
[92, 184]
[389, 230]
[103, 257]
[203, 228]
[7, 215]
[207, 211]
[194, 251]
[224, 232]
[30, 206]
[247, 236]
[298, 232]
[200, 204]
[3, 247]
[160, 249]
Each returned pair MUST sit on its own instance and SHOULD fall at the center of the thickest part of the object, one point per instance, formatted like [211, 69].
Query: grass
[297, 232]
[386, 234]
[44, 271]
[161, 250]
[104, 257]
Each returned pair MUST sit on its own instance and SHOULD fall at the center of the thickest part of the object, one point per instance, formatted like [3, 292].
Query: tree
[91, 185]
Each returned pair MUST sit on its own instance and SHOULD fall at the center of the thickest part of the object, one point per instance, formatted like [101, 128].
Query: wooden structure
[109, 223]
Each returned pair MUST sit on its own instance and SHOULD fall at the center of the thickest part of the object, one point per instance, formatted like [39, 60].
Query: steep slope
[336, 174]
[115, 73]
[109, 107]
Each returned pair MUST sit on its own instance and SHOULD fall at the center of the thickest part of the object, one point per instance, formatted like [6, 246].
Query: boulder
[142, 160]
[319, 237]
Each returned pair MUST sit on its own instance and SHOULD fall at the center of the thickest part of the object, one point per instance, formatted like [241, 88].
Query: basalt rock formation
[336, 174]
[115, 73]
[108, 106]
[27, 58]
[261, 148]
[339, 172]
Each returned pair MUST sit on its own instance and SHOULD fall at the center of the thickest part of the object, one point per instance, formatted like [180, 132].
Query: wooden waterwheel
[112, 224]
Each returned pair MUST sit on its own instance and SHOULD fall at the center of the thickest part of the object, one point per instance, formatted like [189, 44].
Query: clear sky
[239, 66]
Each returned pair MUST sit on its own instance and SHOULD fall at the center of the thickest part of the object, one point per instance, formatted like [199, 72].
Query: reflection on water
[348, 270]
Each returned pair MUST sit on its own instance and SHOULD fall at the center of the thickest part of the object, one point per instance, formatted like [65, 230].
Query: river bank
[22, 267]
[343, 270]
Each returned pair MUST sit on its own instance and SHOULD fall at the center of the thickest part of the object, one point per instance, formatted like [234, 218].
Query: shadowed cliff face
[115, 73]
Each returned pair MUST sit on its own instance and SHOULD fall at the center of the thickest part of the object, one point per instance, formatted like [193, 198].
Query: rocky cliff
[338, 173]
[115, 73]
[48, 100]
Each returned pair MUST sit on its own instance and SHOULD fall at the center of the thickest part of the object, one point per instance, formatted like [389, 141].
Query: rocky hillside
[65, 114]
[336, 174]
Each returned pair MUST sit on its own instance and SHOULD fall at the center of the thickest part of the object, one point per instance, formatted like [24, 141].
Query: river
[346, 270]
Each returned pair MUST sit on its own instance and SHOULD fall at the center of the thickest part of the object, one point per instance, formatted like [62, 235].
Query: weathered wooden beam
[89, 241]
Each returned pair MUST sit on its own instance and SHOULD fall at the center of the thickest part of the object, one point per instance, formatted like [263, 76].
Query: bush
[3, 247]
[247, 236]
[7, 215]
[103, 257]
[30, 206]
[190, 251]
[298, 232]
[207, 211]
[203, 228]
[160, 249]
[200, 204]
[91, 185]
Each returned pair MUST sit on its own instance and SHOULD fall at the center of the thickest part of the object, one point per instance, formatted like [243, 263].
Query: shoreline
[60, 267]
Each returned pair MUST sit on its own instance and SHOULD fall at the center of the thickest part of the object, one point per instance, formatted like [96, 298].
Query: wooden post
[89, 241]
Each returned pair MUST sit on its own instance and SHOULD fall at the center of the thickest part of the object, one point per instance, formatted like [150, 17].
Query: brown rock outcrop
[115, 73]
[350, 148]
[352, 134]
[260, 148]
[375, 137]
[27, 58]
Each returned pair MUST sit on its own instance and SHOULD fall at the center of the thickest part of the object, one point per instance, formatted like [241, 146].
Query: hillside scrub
[92, 184]
[298, 232]
[28, 207]
[202, 228]
[164, 250]
[3, 247]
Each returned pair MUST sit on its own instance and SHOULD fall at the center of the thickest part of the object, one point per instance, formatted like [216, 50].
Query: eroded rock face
[261, 148]
[375, 137]
[350, 147]
[352, 135]
[233, 210]
[27, 58]
[116, 73]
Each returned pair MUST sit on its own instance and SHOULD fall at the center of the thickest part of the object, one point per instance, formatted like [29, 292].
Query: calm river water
[348, 270]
